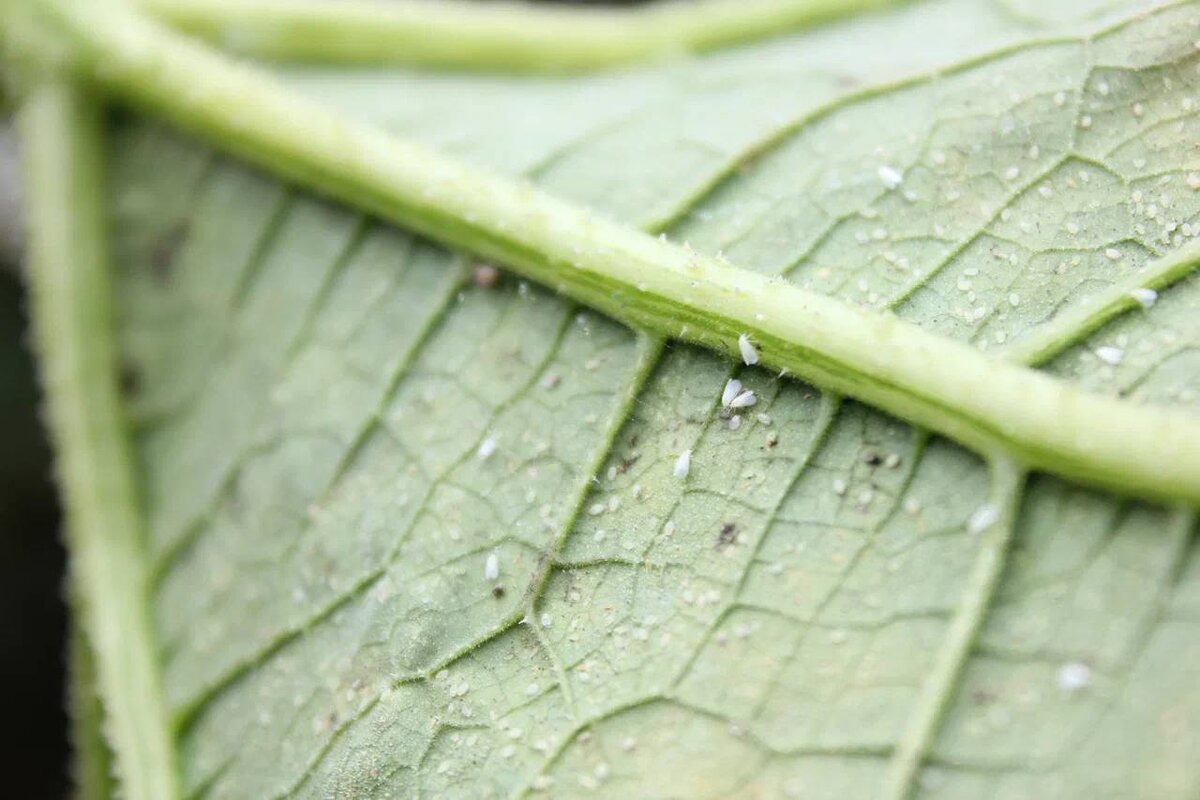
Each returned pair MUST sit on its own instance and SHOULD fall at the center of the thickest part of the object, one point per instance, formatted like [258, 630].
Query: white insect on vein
[1145, 297]
[1110, 355]
[749, 351]
[491, 567]
[890, 176]
[486, 448]
[744, 400]
[683, 465]
[984, 517]
[733, 387]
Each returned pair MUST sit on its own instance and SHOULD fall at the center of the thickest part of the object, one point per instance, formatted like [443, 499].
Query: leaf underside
[312, 388]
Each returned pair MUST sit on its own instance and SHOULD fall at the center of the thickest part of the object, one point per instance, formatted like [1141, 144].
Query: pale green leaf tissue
[413, 535]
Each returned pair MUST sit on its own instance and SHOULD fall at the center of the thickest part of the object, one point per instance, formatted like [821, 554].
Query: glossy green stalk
[998, 408]
[71, 291]
[508, 35]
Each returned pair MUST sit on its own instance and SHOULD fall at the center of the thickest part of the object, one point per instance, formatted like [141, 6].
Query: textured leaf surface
[314, 392]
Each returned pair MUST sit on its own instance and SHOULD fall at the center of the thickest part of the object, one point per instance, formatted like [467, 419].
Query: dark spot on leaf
[728, 535]
[627, 462]
[982, 697]
[129, 378]
[162, 255]
[872, 458]
[498, 591]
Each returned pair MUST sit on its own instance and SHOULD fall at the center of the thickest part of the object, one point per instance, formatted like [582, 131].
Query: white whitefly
[1146, 297]
[487, 447]
[1110, 355]
[683, 464]
[733, 387]
[744, 400]
[1074, 676]
[984, 517]
[890, 176]
[749, 351]
[491, 567]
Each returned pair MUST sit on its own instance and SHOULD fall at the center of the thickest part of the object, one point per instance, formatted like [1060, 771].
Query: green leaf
[810, 610]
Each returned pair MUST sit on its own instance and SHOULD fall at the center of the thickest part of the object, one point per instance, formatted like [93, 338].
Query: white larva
[744, 400]
[749, 351]
[683, 465]
[486, 448]
[491, 567]
[1145, 297]
[733, 387]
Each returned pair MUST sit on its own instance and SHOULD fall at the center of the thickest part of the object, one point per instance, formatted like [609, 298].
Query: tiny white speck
[628, 743]
[892, 461]
[1110, 355]
[1193, 181]
[491, 567]
[1112, 254]
[683, 464]
[1085, 121]
[733, 387]
[1072, 228]
[596, 509]
[1138, 110]
[531, 689]
[1146, 297]
[744, 400]
[1060, 99]
[749, 351]
[546, 621]
[839, 487]
[1012, 173]
[486, 448]
[890, 176]
[912, 506]
[1074, 676]
[1102, 88]
[1014, 299]
[735, 422]
[984, 517]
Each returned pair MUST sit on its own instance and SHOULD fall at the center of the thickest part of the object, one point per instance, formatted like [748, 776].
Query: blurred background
[32, 615]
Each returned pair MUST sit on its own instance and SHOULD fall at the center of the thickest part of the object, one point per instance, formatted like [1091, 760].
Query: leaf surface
[339, 430]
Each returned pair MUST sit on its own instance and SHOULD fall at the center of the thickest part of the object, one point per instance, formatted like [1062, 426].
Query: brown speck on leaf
[498, 591]
[982, 697]
[728, 535]
[772, 439]
[485, 275]
[872, 458]
[162, 254]
[129, 378]
[627, 462]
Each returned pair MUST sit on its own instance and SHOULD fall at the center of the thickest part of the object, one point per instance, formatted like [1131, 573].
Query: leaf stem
[510, 35]
[997, 408]
[71, 296]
